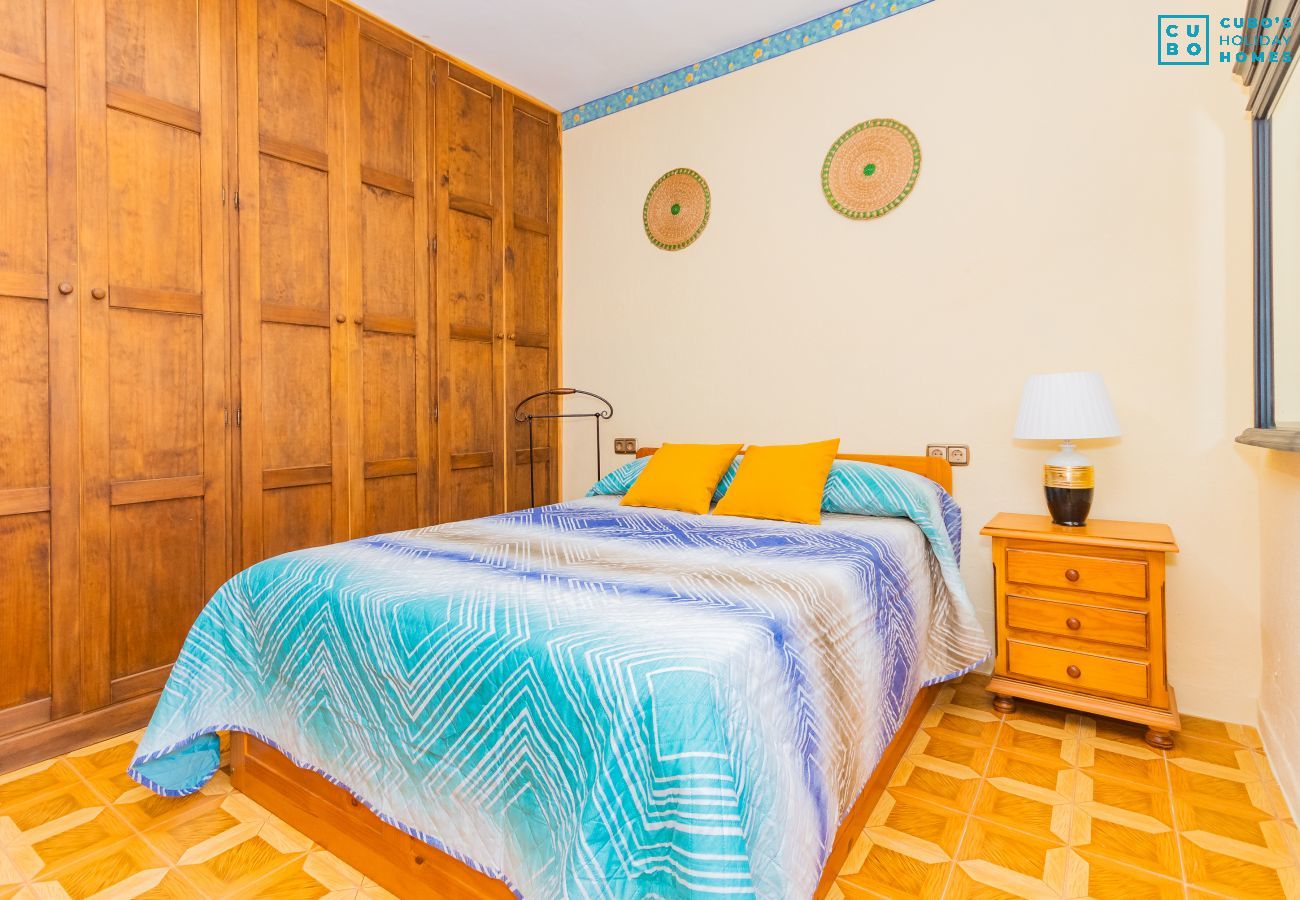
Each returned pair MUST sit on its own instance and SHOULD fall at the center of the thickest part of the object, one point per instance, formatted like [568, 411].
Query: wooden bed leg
[1004, 704]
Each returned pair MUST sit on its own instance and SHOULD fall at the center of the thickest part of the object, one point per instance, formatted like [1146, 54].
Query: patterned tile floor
[1040, 803]
[1047, 803]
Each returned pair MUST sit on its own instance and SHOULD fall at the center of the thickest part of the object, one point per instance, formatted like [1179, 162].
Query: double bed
[584, 699]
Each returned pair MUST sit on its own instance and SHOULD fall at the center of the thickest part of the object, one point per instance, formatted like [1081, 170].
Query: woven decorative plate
[871, 168]
[676, 209]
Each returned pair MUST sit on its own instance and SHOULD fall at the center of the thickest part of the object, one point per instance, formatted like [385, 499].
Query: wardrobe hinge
[435, 410]
[239, 416]
[236, 200]
[225, 415]
[433, 245]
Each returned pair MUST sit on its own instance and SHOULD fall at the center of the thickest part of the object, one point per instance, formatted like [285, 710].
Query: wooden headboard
[931, 467]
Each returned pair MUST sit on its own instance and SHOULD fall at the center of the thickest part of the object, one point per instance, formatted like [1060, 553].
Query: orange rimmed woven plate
[676, 209]
[871, 168]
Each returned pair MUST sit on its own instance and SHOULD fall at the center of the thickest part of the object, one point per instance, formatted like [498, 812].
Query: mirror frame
[1267, 79]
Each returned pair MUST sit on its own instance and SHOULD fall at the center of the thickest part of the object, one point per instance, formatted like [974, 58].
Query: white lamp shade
[1066, 406]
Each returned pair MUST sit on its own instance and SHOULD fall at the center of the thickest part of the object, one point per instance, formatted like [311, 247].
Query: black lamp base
[1068, 506]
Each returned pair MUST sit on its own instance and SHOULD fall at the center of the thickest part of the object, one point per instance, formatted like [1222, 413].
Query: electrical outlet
[625, 445]
[959, 454]
[939, 450]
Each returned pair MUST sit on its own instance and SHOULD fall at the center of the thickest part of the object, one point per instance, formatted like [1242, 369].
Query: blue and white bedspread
[584, 700]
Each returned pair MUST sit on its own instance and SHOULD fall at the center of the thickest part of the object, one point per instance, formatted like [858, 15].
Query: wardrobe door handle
[1072, 623]
[511, 335]
[340, 318]
[65, 287]
[98, 293]
[1073, 671]
[500, 335]
[1071, 574]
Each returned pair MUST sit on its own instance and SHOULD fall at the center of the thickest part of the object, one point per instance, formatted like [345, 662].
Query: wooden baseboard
[71, 733]
[1152, 717]
[408, 867]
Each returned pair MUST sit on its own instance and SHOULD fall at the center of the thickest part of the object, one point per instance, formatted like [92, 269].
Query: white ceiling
[566, 52]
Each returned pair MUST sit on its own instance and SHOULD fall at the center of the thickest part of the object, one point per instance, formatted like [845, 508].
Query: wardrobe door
[531, 361]
[470, 327]
[154, 340]
[391, 464]
[38, 365]
[292, 273]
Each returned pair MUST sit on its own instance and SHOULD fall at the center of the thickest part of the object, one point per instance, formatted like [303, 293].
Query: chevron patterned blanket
[582, 700]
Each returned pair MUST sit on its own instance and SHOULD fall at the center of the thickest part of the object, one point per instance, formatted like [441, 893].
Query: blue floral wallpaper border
[841, 21]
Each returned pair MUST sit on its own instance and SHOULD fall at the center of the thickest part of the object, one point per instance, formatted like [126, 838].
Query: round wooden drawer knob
[98, 293]
[65, 287]
[340, 318]
[1073, 671]
[1072, 623]
[1071, 574]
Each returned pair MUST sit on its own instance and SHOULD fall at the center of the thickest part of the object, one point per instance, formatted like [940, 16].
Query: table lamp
[1067, 407]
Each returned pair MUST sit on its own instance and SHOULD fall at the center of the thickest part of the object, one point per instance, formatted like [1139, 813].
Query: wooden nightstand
[1081, 618]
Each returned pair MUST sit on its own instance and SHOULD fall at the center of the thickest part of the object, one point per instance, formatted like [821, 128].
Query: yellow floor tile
[1104, 879]
[124, 870]
[1005, 861]
[1030, 793]
[1126, 822]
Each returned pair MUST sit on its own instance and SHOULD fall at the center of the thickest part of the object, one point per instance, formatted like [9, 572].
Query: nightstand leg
[1159, 739]
[1004, 704]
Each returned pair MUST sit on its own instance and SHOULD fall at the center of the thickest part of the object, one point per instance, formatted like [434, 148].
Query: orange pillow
[682, 477]
[784, 483]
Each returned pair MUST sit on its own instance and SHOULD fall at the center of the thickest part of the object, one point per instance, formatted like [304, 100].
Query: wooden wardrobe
[272, 275]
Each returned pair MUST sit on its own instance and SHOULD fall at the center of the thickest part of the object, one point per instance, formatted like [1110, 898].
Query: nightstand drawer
[1087, 623]
[1079, 671]
[1098, 574]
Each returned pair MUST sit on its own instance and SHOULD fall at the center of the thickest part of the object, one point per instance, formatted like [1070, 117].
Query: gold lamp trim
[1068, 477]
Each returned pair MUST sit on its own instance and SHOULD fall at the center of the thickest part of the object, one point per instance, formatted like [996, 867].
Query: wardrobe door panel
[39, 429]
[285, 42]
[471, 330]
[531, 363]
[22, 33]
[25, 642]
[530, 373]
[293, 318]
[297, 431]
[152, 49]
[24, 236]
[153, 592]
[154, 348]
[392, 455]
[293, 211]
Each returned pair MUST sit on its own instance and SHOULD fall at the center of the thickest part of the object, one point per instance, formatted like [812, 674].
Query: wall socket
[625, 445]
[956, 454]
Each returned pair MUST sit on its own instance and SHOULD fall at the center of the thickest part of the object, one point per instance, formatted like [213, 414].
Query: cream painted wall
[1279, 520]
[1078, 208]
